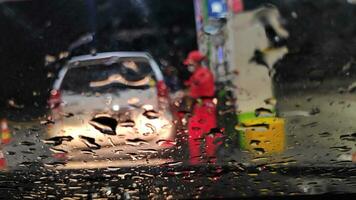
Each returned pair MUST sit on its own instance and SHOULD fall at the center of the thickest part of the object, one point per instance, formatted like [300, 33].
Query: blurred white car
[110, 106]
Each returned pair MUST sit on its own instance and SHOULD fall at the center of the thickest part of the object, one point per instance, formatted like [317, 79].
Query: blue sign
[220, 55]
[217, 8]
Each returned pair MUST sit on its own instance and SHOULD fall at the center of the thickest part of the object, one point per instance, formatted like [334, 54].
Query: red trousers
[199, 125]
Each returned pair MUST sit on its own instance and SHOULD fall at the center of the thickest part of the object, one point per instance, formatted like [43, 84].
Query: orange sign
[5, 135]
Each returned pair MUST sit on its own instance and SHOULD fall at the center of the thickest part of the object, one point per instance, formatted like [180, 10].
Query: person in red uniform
[201, 89]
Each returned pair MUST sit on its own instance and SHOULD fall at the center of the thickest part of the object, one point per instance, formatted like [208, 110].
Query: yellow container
[262, 135]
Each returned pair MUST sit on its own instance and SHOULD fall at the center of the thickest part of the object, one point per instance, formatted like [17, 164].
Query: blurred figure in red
[5, 137]
[201, 89]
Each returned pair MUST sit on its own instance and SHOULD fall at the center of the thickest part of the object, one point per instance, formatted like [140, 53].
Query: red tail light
[163, 95]
[60, 156]
[162, 89]
[54, 99]
[166, 143]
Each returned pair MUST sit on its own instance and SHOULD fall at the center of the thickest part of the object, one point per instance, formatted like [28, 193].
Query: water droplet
[49, 59]
[252, 174]
[257, 127]
[165, 142]
[123, 176]
[255, 142]
[58, 140]
[312, 124]
[151, 114]
[105, 125]
[133, 101]
[263, 112]
[54, 164]
[90, 142]
[133, 156]
[341, 148]
[55, 150]
[151, 127]
[325, 134]
[10, 153]
[136, 142]
[349, 137]
[67, 115]
[27, 152]
[88, 151]
[42, 157]
[118, 151]
[294, 15]
[351, 87]
[27, 143]
[111, 142]
[314, 111]
[147, 175]
[47, 122]
[259, 159]
[176, 163]
[127, 124]
[147, 151]
[13, 104]
[259, 150]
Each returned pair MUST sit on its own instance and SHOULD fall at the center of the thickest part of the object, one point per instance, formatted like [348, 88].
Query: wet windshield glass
[178, 99]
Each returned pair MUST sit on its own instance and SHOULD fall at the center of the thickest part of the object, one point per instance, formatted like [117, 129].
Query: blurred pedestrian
[171, 78]
[202, 90]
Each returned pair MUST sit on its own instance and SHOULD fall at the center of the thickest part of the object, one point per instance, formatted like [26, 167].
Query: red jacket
[201, 83]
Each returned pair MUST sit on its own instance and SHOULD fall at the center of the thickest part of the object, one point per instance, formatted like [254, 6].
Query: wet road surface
[313, 162]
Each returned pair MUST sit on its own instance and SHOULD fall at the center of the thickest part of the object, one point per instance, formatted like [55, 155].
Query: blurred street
[313, 149]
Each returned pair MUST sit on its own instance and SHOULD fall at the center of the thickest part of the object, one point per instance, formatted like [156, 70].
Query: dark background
[30, 30]
[322, 39]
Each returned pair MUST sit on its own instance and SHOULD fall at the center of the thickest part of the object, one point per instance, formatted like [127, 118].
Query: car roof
[110, 54]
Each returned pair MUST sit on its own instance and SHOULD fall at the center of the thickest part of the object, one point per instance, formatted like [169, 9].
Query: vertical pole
[91, 9]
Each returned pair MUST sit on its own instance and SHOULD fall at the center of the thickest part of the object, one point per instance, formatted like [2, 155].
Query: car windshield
[107, 75]
[177, 99]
